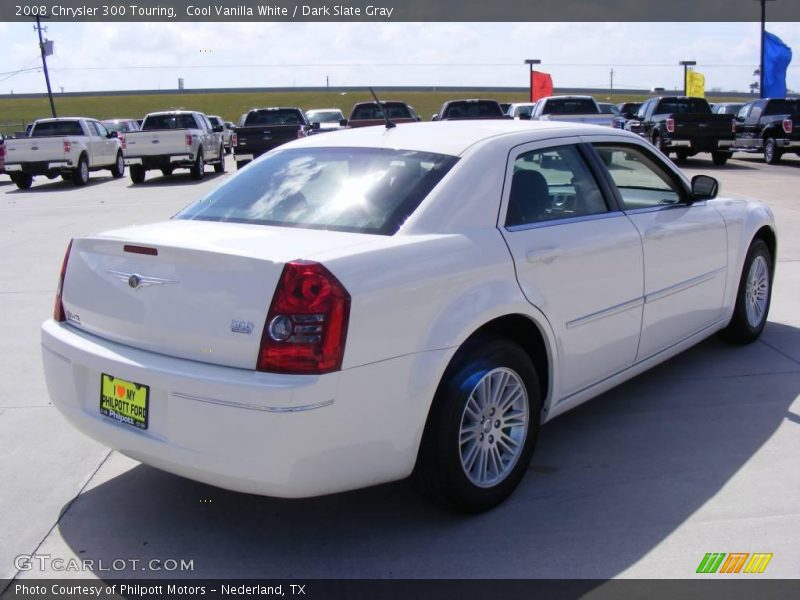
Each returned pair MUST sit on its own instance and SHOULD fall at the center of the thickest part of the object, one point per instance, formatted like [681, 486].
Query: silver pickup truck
[172, 140]
[572, 109]
[70, 147]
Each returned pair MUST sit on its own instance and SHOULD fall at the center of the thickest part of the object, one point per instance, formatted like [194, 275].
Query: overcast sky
[119, 56]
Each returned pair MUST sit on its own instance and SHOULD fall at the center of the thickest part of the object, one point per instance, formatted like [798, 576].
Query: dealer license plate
[124, 401]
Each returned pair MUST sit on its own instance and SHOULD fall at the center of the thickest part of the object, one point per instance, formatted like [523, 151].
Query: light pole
[686, 64]
[530, 62]
[763, 36]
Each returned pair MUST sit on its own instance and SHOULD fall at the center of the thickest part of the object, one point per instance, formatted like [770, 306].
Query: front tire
[772, 154]
[482, 427]
[118, 169]
[80, 176]
[199, 168]
[753, 298]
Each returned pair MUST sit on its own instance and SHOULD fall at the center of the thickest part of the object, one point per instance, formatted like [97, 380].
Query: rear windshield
[728, 109]
[55, 128]
[184, 121]
[362, 190]
[471, 110]
[684, 106]
[396, 110]
[274, 117]
[783, 107]
[570, 106]
[324, 116]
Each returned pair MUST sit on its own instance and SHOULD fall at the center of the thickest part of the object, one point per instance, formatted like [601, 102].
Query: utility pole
[44, 65]
[686, 64]
[327, 81]
[612, 80]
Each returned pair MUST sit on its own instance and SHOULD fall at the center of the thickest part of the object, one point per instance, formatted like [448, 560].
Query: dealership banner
[541, 85]
[400, 10]
[695, 84]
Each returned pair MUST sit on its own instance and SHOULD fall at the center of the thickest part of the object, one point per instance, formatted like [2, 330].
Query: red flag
[541, 85]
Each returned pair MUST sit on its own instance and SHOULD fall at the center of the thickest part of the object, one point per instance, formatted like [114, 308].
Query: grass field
[16, 112]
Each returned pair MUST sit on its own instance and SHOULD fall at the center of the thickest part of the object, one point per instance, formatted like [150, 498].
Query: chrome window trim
[564, 221]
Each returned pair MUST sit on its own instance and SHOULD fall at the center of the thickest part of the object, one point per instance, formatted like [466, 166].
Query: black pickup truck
[459, 110]
[686, 126]
[262, 129]
[771, 126]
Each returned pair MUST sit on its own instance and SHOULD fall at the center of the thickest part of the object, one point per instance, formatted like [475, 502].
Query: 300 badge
[124, 401]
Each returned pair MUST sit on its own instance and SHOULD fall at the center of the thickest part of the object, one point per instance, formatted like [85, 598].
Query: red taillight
[787, 125]
[188, 139]
[58, 308]
[234, 139]
[67, 146]
[306, 325]
[123, 144]
[301, 132]
[2, 151]
[671, 125]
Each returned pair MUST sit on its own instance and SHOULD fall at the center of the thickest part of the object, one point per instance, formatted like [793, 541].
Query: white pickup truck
[172, 140]
[571, 109]
[70, 147]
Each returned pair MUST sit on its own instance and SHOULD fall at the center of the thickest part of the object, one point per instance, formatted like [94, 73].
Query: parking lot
[698, 455]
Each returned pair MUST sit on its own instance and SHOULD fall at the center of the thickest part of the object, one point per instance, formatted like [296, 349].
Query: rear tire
[772, 154]
[659, 143]
[80, 176]
[720, 158]
[199, 168]
[118, 170]
[753, 298]
[137, 173]
[23, 180]
[219, 167]
[681, 156]
[482, 427]
[167, 171]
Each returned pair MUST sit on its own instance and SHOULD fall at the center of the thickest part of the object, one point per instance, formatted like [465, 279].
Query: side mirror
[112, 134]
[217, 129]
[315, 125]
[738, 119]
[435, 118]
[704, 187]
[343, 123]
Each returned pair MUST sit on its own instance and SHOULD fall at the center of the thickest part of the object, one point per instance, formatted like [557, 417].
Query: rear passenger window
[552, 183]
[641, 182]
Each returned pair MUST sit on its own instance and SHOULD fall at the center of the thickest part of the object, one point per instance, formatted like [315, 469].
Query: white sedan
[354, 309]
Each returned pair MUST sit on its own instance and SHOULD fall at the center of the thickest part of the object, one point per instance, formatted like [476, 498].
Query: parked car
[686, 126]
[325, 120]
[176, 139]
[573, 109]
[607, 108]
[227, 133]
[727, 108]
[520, 110]
[121, 125]
[263, 129]
[2, 153]
[355, 308]
[454, 110]
[771, 126]
[71, 147]
[367, 114]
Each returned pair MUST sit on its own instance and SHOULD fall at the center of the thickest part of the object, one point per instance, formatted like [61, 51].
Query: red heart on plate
[121, 391]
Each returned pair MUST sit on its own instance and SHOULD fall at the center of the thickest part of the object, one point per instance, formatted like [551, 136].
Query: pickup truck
[262, 129]
[462, 110]
[227, 131]
[70, 147]
[571, 109]
[367, 114]
[172, 140]
[686, 126]
[2, 153]
[771, 126]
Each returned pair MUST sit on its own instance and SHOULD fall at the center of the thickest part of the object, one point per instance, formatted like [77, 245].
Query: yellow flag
[695, 84]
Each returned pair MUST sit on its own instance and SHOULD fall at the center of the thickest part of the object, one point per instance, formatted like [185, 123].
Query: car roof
[451, 137]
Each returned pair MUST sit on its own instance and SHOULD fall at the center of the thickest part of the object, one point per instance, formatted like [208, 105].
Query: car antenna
[385, 112]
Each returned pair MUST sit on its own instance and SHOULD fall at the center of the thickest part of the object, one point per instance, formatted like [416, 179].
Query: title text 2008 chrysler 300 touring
[355, 308]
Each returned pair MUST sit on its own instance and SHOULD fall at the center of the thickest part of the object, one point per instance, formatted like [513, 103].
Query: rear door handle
[542, 255]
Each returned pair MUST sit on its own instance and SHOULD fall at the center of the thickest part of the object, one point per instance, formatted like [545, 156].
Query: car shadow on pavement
[705, 163]
[610, 481]
[180, 179]
[787, 160]
[43, 184]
